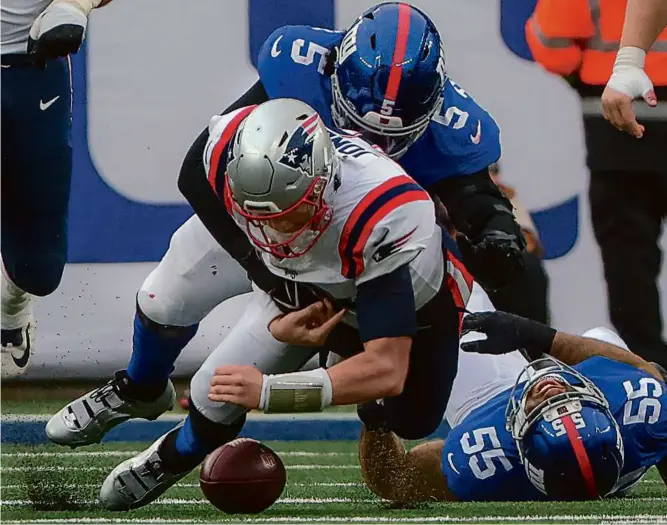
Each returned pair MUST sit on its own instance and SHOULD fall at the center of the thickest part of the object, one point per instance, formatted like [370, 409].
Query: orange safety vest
[583, 36]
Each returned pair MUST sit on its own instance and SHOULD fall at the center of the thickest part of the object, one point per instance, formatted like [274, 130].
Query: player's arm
[644, 20]
[490, 238]
[387, 321]
[385, 302]
[508, 332]
[386, 318]
[394, 474]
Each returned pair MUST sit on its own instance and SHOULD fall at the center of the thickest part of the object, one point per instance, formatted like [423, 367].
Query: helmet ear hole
[373, 41]
[425, 53]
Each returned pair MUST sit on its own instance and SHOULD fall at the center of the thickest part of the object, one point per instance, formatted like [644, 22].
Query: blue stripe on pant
[36, 172]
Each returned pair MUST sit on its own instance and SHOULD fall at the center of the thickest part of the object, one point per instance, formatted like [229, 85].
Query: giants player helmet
[569, 443]
[281, 160]
[389, 76]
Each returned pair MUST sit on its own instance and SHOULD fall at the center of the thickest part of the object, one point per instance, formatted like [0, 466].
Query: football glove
[494, 258]
[505, 333]
[59, 30]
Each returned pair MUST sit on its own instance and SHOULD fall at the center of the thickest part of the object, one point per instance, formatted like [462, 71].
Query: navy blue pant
[36, 171]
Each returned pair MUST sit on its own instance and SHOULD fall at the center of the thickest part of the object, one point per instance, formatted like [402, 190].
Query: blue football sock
[189, 444]
[155, 351]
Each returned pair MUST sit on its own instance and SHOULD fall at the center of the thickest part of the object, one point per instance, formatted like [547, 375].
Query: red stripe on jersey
[453, 288]
[396, 202]
[222, 142]
[467, 276]
[399, 51]
[361, 207]
[581, 455]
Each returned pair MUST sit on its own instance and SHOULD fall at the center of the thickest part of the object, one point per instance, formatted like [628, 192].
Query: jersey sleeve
[461, 140]
[221, 129]
[293, 58]
[273, 62]
[387, 229]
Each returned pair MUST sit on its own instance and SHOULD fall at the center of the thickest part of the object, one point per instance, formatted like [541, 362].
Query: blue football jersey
[481, 461]
[462, 139]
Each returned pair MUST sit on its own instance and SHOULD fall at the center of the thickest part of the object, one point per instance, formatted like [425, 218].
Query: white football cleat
[87, 419]
[17, 348]
[140, 480]
[18, 328]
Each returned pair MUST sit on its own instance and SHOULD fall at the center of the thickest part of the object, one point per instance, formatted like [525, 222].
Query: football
[242, 477]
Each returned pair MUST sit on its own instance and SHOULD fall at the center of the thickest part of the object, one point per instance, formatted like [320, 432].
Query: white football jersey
[17, 18]
[382, 220]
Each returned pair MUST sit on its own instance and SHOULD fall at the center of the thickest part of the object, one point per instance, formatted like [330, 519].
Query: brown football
[242, 477]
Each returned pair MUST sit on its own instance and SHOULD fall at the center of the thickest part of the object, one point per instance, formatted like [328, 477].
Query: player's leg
[194, 276]
[36, 176]
[399, 476]
[480, 376]
[627, 210]
[140, 480]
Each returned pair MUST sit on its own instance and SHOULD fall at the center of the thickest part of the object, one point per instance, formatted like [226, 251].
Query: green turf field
[51, 484]
[324, 485]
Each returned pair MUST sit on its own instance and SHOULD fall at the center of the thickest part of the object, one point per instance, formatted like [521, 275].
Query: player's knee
[39, 275]
[161, 308]
[413, 424]
[222, 413]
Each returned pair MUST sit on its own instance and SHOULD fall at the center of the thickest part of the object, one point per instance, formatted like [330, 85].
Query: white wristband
[309, 391]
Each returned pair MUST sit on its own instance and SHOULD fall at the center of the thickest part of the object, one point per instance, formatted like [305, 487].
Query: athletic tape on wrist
[309, 391]
[630, 56]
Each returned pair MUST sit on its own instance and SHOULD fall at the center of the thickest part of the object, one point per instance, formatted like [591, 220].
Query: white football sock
[16, 311]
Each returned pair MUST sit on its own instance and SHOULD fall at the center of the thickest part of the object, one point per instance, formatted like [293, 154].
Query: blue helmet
[568, 440]
[389, 76]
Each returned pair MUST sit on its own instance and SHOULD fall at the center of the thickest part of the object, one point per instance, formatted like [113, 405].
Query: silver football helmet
[281, 161]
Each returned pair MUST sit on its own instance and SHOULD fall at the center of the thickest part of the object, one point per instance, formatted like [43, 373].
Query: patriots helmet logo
[299, 151]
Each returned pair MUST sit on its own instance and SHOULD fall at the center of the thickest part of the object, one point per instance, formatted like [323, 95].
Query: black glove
[506, 333]
[493, 258]
[58, 31]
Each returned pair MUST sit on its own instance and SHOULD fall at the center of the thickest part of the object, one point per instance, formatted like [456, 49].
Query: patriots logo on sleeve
[299, 151]
[391, 247]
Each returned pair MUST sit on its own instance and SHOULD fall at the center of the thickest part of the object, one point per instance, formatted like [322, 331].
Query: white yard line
[195, 485]
[638, 518]
[106, 469]
[254, 416]
[283, 501]
[199, 501]
[127, 453]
